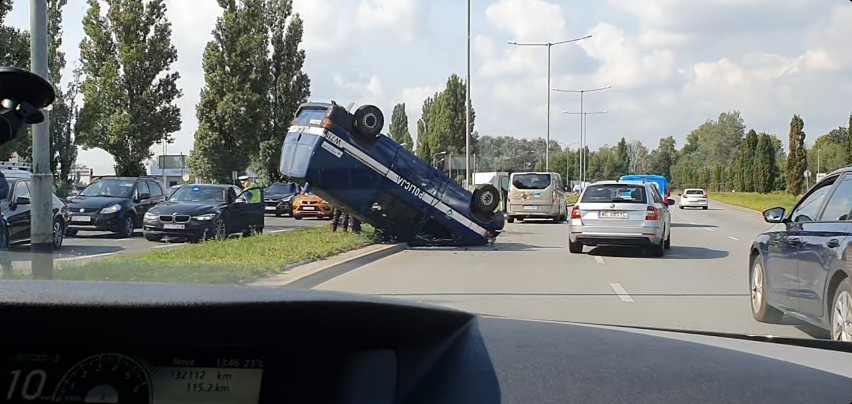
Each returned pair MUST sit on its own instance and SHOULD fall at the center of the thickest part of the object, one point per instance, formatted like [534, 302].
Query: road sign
[807, 173]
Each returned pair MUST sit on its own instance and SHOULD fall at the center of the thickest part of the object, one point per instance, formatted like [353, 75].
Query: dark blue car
[349, 163]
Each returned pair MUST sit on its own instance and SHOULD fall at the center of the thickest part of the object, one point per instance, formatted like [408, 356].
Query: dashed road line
[622, 294]
[733, 238]
[708, 229]
[599, 259]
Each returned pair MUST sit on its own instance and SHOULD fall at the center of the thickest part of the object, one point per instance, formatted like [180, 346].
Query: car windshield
[614, 193]
[197, 193]
[117, 188]
[531, 181]
[617, 177]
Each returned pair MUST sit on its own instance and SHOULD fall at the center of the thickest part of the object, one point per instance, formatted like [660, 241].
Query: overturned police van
[348, 162]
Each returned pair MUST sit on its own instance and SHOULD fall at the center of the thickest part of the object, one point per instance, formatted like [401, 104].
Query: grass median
[224, 262]
[756, 201]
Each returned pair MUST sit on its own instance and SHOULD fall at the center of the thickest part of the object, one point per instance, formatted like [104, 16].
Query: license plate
[612, 214]
[530, 207]
[308, 208]
[172, 226]
[81, 218]
[270, 208]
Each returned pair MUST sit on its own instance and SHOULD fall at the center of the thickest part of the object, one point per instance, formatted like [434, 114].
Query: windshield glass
[110, 187]
[498, 198]
[195, 193]
[614, 193]
[531, 181]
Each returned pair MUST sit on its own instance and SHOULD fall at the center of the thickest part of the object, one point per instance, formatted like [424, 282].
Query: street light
[566, 156]
[583, 117]
[582, 121]
[165, 141]
[548, 45]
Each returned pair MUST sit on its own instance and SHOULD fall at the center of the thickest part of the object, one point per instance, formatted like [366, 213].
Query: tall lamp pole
[582, 124]
[41, 244]
[548, 45]
[467, 107]
[583, 138]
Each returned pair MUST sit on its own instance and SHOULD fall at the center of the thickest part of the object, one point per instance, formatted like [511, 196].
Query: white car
[693, 198]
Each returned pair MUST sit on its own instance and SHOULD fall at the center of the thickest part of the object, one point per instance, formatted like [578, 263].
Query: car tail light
[652, 213]
[327, 124]
[575, 212]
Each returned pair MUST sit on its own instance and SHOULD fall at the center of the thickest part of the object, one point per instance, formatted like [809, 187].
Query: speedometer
[105, 378]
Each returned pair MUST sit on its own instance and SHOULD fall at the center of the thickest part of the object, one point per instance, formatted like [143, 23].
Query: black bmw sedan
[203, 211]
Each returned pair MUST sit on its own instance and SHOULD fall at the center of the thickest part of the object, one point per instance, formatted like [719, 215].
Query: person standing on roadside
[253, 191]
[339, 217]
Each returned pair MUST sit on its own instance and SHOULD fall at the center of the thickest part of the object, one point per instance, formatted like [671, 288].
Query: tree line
[253, 84]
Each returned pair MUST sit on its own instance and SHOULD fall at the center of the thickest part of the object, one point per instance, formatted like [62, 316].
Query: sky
[672, 64]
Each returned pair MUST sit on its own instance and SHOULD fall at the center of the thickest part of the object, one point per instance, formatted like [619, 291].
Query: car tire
[152, 236]
[658, 250]
[297, 217]
[58, 234]
[705, 208]
[510, 219]
[575, 248]
[369, 121]
[668, 242]
[486, 198]
[760, 308]
[841, 306]
[126, 229]
[277, 214]
[681, 206]
[220, 230]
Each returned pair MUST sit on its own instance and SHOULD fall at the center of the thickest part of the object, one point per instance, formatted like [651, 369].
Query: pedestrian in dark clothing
[355, 225]
[339, 217]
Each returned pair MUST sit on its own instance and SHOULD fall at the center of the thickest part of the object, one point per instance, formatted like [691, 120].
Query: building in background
[171, 169]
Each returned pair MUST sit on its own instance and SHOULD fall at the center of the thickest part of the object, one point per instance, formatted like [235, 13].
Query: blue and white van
[349, 163]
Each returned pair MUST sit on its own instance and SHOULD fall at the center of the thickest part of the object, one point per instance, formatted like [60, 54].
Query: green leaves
[399, 127]
[129, 91]
[797, 159]
[441, 127]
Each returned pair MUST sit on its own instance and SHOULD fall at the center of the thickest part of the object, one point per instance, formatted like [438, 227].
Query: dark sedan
[16, 209]
[278, 198]
[801, 266]
[203, 211]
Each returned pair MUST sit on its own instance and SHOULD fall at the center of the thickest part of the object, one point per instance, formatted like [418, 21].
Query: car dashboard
[155, 343]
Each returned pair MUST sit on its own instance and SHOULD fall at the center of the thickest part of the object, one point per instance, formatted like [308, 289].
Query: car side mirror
[22, 200]
[774, 215]
[670, 201]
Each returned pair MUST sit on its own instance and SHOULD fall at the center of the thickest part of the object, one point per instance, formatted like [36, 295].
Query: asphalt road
[700, 284]
[95, 244]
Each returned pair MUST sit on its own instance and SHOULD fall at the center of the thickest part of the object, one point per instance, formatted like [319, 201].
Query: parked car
[621, 213]
[347, 162]
[115, 204]
[537, 195]
[801, 265]
[203, 211]
[311, 205]
[693, 198]
[278, 198]
[16, 208]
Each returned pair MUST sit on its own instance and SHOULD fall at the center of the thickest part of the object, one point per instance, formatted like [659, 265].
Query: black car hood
[94, 201]
[185, 208]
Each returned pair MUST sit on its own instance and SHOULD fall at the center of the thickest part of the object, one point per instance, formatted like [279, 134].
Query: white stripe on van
[393, 176]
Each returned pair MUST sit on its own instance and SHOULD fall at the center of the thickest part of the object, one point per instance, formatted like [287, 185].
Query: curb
[314, 273]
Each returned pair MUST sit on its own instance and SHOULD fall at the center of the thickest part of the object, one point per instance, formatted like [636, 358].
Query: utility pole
[582, 127]
[583, 139]
[467, 177]
[41, 244]
[548, 45]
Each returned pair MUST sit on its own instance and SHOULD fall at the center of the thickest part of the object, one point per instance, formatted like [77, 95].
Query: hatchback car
[693, 198]
[115, 204]
[621, 213]
[311, 205]
[801, 266]
[278, 198]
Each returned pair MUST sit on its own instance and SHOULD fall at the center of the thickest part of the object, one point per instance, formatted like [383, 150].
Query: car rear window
[531, 181]
[614, 193]
[694, 192]
[310, 117]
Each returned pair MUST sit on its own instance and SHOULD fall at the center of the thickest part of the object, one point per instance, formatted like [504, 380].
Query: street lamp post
[567, 147]
[165, 141]
[467, 107]
[583, 138]
[582, 123]
[548, 45]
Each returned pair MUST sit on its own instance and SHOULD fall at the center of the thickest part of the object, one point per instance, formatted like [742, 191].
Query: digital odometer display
[128, 378]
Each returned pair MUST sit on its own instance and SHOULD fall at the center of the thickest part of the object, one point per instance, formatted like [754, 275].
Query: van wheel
[485, 198]
[510, 219]
[369, 120]
[575, 248]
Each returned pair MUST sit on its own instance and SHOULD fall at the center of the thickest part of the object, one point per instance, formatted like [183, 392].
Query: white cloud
[622, 62]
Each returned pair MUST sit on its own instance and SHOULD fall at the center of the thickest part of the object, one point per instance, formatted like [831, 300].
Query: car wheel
[152, 236]
[705, 208]
[841, 312]
[510, 219]
[681, 206]
[297, 217]
[369, 120]
[760, 308]
[126, 229]
[277, 214]
[220, 230]
[58, 234]
[575, 248]
[659, 249]
[668, 243]
[486, 198]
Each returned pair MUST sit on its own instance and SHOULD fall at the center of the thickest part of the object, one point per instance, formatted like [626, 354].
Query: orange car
[310, 205]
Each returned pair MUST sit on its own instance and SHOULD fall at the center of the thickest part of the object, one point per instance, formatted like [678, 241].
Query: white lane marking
[280, 231]
[733, 238]
[622, 294]
[169, 245]
[692, 223]
[599, 259]
[85, 257]
[708, 229]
